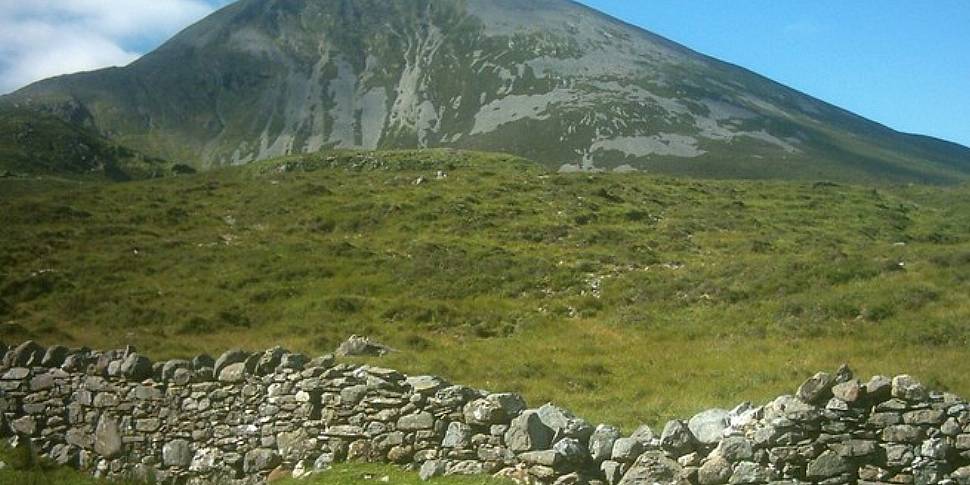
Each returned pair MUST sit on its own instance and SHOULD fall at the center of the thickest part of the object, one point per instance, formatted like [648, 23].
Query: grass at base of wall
[370, 473]
[21, 469]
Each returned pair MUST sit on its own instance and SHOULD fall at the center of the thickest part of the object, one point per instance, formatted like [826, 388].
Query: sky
[903, 63]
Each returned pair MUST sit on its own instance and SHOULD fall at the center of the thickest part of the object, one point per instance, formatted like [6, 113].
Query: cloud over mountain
[43, 38]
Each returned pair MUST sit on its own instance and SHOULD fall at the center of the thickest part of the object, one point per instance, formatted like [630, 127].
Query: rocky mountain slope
[551, 80]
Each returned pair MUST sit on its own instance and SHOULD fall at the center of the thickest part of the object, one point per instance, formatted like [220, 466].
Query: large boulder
[528, 433]
[655, 468]
[708, 426]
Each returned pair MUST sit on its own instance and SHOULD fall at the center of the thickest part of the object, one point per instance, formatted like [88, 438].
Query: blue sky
[904, 63]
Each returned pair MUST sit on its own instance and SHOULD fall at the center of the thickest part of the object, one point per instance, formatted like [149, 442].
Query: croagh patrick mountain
[550, 80]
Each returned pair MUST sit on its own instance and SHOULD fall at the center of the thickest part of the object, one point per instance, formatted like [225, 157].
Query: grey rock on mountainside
[551, 80]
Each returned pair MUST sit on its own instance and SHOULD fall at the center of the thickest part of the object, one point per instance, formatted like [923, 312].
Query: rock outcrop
[243, 417]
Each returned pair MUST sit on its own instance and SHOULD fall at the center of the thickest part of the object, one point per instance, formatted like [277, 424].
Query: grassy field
[627, 297]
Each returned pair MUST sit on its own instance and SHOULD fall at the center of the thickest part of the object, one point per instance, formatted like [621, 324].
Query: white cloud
[44, 38]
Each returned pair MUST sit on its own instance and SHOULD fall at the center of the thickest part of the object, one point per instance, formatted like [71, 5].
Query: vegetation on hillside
[33, 143]
[628, 298]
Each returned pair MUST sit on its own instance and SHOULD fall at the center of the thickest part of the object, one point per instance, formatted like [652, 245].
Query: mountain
[35, 143]
[551, 80]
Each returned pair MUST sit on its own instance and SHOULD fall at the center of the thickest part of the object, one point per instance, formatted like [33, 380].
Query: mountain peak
[551, 80]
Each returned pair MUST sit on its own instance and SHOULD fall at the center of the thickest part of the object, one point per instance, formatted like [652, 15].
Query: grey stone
[232, 373]
[564, 424]
[528, 433]
[416, 422]
[458, 435]
[54, 356]
[169, 368]
[549, 458]
[601, 442]
[899, 455]
[715, 471]
[177, 453]
[494, 409]
[612, 471]
[107, 438]
[572, 451]
[136, 367]
[677, 438]
[748, 472]
[654, 468]
[432, 469]
[260, 459]
[626, 450]
[644, 435]
[708, 426]
[817, 388]
[934, 417]
[734, 449]
[909, 389]
[27, 354]
[203, 361]
[427, 385]
[234, 356]
[828, 464]
[850, 391]
[902, 433]
[879, 389]
[361, 346]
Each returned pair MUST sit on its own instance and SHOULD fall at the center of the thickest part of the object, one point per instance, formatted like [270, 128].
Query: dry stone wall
[245, 416]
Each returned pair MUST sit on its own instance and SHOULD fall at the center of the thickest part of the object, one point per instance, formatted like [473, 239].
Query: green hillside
[626, 297]
[35, 143]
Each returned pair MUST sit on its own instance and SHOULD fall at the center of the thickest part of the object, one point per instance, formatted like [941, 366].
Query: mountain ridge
[551, 80]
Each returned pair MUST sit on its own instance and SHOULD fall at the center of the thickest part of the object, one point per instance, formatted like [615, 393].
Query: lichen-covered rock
[234, 356]
[232, 373]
